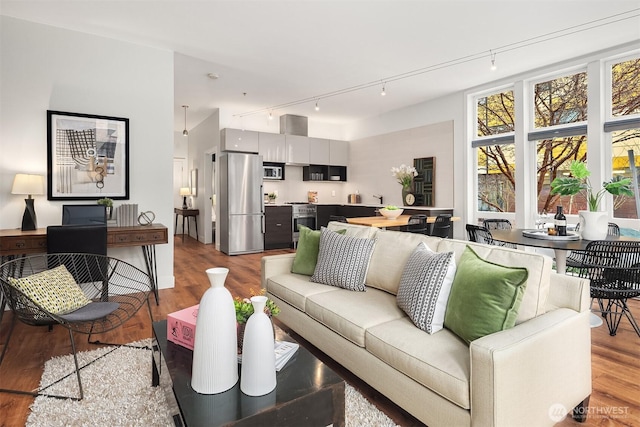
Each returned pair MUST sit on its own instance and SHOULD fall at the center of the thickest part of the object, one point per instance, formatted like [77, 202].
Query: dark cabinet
[323, 212]
[278, 233]
[324, 173]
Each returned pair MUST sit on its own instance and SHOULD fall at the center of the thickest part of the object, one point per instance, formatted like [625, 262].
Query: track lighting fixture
[185, 132]
[317, 107]
[384, 92]
[270, 116]
[493, 61]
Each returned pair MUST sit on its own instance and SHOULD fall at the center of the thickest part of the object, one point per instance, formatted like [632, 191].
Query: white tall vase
[215, 359]
[258, 376]
[593, 225]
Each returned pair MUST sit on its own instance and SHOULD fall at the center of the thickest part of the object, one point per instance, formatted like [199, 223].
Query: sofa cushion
[485, 297]
[307, 250]
[343, 260]
[392, 251]
[295, 288]
[425, 286]
[440, 361]
[54, 290]
[354, 230]
[539, 267]
[351, 313]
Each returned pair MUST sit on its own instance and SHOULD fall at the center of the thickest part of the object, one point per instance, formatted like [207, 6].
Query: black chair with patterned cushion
[418, 224]
[441, 226]
[575, 258]
[85, 293]
[479, 234]
[613, 269]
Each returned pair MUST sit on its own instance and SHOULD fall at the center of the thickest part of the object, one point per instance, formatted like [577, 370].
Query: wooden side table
[186, 213]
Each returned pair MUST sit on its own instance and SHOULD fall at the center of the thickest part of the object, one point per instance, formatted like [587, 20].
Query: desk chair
[613, 268]
[442, 226]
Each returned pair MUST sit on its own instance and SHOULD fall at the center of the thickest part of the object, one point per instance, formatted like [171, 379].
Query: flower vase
[215, 359]
[258, 375]
[593, 225]
[405, 191]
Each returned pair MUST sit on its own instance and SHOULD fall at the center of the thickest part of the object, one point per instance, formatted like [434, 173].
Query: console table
[186, 213]
[14, 242]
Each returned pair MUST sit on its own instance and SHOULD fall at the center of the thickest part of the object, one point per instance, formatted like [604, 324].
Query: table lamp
[29, 185]
[184, 192]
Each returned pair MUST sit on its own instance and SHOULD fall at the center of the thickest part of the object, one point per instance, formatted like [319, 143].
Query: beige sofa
[522, 376]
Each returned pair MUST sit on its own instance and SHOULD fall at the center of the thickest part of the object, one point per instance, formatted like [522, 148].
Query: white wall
[47, 68]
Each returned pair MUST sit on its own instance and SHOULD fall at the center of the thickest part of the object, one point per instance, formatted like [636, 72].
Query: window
[495, 152]
[561, 101]
[624, 130]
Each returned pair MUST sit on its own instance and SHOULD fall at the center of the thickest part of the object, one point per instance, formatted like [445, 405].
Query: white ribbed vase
[215, 359]
[258, 376]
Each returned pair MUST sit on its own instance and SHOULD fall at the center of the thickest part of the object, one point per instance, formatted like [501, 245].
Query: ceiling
[270, 52]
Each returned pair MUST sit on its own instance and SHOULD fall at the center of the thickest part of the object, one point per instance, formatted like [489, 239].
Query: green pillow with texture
[485, 297]
[307, 251]
[54, 290]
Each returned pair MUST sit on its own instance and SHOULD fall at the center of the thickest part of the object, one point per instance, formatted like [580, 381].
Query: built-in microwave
[273, 171]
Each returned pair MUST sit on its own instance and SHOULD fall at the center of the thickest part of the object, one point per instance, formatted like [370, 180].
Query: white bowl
[391, 214]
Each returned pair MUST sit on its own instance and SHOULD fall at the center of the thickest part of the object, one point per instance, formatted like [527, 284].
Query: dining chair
[499, 224]
[338, 218]
[575, 258]
[613, 268]
[441, 226]
[418, 224]
[479, 234]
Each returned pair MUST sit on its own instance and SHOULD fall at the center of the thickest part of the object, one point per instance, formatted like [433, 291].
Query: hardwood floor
[615, 400]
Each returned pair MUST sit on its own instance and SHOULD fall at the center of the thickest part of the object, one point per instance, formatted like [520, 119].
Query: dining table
[382, 222]
[559, 245]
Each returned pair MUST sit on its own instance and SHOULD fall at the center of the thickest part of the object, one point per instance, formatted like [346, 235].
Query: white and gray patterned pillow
[425, 286]
[343, 261]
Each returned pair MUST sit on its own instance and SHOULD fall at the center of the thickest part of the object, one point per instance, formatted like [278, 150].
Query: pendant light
[185, 132]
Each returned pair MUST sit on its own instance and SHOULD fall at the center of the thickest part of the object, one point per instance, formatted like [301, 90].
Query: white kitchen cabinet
[318, 151]
[273, 147]
[245, 141]
[297, 149]
[338, 153]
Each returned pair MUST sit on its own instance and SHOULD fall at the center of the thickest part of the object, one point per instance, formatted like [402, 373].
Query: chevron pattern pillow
[343, 261]
[425, 285]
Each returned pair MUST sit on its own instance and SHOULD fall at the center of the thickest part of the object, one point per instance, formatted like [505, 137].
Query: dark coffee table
[308, 392]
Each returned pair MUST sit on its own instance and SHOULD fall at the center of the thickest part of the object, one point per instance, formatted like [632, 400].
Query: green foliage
[579, 182]
[244, 308]
[105, 202]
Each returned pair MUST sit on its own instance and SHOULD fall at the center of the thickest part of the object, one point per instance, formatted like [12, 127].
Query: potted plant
[405, 174]
[593, 223]
[108, 203]
[272, 197]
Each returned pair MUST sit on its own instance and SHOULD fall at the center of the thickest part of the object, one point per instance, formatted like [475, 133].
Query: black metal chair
[116, 291]
[441, 226]
[613, 268]
[575, 258]
[479, 234]
[418, 224]
[338, 218]
[499, 224]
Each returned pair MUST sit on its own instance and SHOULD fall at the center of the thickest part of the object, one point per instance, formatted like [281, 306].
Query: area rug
[118, 392]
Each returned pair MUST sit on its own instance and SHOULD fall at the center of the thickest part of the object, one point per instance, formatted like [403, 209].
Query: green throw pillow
[54, 290]
[485, 297]
[307, 250]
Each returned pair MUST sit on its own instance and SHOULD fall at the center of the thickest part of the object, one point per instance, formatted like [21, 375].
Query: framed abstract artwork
[88, 156]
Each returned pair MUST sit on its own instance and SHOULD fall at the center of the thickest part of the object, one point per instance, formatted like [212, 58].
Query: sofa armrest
[568, 292]
[272, 265]
[517, 375]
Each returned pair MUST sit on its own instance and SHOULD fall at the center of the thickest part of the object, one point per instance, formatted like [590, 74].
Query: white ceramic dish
[391, 214]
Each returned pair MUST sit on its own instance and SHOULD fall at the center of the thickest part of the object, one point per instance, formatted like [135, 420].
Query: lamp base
[29, 217]
[184, 203]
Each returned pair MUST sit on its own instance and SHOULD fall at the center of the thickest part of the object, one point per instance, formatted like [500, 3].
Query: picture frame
[193, 182]
[87, 156]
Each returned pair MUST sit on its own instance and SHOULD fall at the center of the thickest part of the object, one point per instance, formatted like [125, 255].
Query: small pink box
[181, 326]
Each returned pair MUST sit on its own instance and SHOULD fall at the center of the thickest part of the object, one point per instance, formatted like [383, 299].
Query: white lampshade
[28, 184]
[185, 191]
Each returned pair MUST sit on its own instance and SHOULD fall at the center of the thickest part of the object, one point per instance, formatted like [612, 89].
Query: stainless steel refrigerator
[241, 203]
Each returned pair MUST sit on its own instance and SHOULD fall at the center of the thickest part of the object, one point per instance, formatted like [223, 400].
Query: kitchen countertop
[368, 205]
